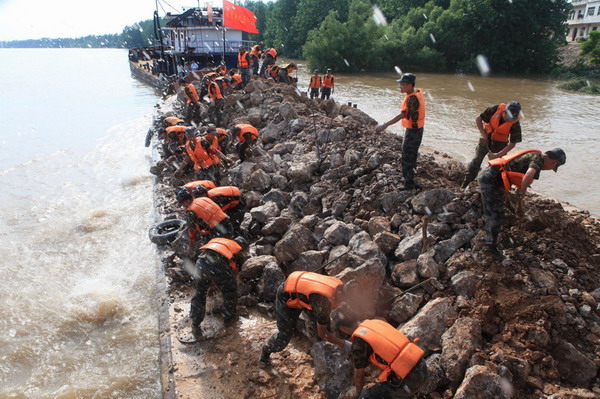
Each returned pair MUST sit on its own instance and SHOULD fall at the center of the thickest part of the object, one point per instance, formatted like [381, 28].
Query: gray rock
[352, 157]
[283, 148]
[374, 161]
[448, 217]
[358, 115]
[260, 180]
[573, 366]
[405, 307]
[362, 245]
[298, 239]
[435, 375]
[309, 260]
[276, 226]
[265, 212]
[332, 135]
[298, 125]
[254, 85]
[544, 279]
[251, 198]
[430, 323]
[277, 196]
[271, 278]
[427, 266]
[332, 368]
[338, 233]
[404, 274]
[444, 249]
[340, 205]
[378, 224]
[465, 283]
[387, 241]
[287, 110]
[370, 274]
[301, 172]
[254, 116]
[298, 202]
[409, 247]
[391, 202]
[271, 132]
[482, 383]
[431, 201]
[458, 344]
[343, 261]
[441, 230]
[279, 181]
[240, 175]
[253, 267]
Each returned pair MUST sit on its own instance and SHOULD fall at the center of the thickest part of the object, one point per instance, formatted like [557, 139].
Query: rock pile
[323, 184]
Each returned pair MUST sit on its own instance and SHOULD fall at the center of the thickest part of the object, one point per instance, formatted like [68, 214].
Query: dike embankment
[321, 184]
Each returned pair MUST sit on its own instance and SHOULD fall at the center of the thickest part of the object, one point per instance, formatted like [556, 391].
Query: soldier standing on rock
[219, 261]
[192, 112]
[318, 295]
[404, 369]
[518, 169]
[412, 116]
[496, 125]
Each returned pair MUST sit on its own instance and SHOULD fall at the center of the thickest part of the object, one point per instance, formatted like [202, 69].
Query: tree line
[515, 36]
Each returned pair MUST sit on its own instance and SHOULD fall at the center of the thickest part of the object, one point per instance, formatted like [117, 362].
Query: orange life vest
[195, 97]
[202, 159]
[226, 191]
[272, 52]
[273, 70]
[237, 78]
[172, 121]
[391, 345]
[245, 128]
[255, 51]
[510, 178]
[179, 130]
[406, 121]
[315, 82]
[307, 283]
[221, 134]
[242, 60]
[227, 248]
[328, 81]
[208, 211]
[499, 132]
[207, 184]
[222, 69]
[214, 91]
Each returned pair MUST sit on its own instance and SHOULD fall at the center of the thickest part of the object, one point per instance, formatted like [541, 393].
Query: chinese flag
[238, 17]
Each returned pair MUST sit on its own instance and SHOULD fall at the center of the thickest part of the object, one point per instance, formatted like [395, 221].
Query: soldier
[192, 112]
[518, 169]
[404, 369]
[497, 125]
[412, 116]
[246, 135]
[244, 61]
[315, 85]
[218, 262]
[315, 293]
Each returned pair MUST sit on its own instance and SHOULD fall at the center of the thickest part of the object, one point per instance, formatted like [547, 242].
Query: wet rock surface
[524, 323]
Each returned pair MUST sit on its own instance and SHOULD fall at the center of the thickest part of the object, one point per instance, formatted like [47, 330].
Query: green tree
[591, 47]
[279, 23]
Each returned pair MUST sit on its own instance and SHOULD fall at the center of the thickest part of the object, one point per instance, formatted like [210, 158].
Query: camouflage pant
[410, 151]
[314, 93]
[286, 324]
[211, 173]
[242, 148]
[221, 274]
[493, 203]
[480, 152]
[254, 65]
[245, 73]
[266, 62]
[192, 113]
[216, 111]
[383, 390]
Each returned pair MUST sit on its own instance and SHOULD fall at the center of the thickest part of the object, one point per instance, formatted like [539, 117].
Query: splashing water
[378, 16]
[483, 65]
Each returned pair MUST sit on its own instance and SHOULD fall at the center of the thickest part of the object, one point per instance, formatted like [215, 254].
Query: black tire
[165, 232]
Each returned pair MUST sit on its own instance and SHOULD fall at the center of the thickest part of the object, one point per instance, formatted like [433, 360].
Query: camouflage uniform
[213, 267]
[287, 318]
[489, 145]
[411, 143]
[394, 387]
[490, 183]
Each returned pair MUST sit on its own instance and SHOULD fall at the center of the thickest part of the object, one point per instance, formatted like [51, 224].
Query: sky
[35, 19]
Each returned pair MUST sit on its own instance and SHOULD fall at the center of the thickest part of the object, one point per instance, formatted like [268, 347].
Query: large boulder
[458, 345]
[387, 241]
[309, 260]
[378, 224]
[481, 383]
[430, 323]
[410, 247]
[240, 175]
[332, 368]
[253, 267]
[339, 259]
[255, 116]
[390, 202]
[271, 132]
[427, 266]
[444, 249]
[573, 365]
[260, 180]
[362, 245]
[405, 307]
[277, 196]
[435, 375]
[298, 239]
[265, 212]
[276, 226]
[370, 274]
[464, 283]
[404, 275]
[271, 278]
[287, 110]
[431, 201]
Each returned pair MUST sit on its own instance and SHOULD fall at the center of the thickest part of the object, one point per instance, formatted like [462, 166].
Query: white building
[583, 19]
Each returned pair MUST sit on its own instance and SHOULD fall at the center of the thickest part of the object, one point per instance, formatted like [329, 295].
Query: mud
[538, 295]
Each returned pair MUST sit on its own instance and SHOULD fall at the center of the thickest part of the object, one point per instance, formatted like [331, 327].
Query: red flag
[238, 17]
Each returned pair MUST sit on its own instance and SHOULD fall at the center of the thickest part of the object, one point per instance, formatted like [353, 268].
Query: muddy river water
[78, 312]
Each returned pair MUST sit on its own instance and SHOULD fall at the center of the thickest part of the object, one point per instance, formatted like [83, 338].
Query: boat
[197, 39]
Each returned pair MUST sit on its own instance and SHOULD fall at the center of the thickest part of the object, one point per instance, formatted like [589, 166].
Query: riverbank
[323, 183]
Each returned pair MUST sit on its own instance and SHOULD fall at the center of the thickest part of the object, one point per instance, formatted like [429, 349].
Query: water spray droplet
[378, 16]
[483, 65]
[432, 37]
[346, 62]
[386, 37]
[587, 82]
[428, 211]
[425, 16]
[398, 70]
[470, 85]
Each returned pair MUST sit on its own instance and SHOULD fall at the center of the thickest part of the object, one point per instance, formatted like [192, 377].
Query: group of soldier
[214, 214]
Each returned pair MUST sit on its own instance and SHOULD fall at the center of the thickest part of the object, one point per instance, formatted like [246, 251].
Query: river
[78, 317]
